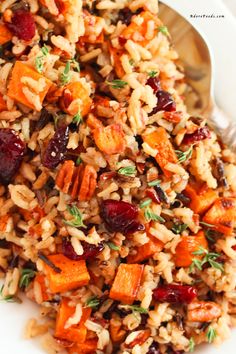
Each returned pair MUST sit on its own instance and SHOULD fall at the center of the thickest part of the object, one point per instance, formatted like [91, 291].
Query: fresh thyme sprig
[164, 30]
[112, 246]
[179, 228]
[117, 84]
[93, 302]
[65, 76]
[184, 156]
[77, 220]
[152, 73]
[191, 345]
[27, 275]
[209, 257]
[39, 59]
[211, 334]
[77, 119]
[127, 171]
[150, 216]
[134, 308]
[154, 183]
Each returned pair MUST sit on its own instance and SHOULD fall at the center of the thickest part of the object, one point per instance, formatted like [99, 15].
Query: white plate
[221, 36]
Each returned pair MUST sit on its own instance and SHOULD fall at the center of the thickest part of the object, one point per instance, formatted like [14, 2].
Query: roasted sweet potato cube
[75, 333]
[3, 106]
[88, 347]
[160, 141]
[110, 139]
[127, 282]
[15, 88]
[5, 34]
[116, 54]
[185, 248]
[145, 251]
[201, 198]
[39, 280]
[74, 274]
[75, 99]
[222, 215]
[137, 32]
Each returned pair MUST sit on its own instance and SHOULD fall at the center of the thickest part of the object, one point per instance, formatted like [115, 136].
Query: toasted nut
[203, 311]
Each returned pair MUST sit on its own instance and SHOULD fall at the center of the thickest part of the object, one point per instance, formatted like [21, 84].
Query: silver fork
[197, 61]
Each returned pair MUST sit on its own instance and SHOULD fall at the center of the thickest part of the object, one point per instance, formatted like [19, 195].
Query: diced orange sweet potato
[93, 122]
[75, 333]
[201, 198]
[88, 347]
[185, 248]
[127, 282]
[137, 31]
[74, 274]
[15, 86]
[3, 106]
[160, 141]
[222, 215]
[203, 311]
[40, 280]
[110, 139]
[5, 34]
[145, 251]
[116, 54]
[75, 98]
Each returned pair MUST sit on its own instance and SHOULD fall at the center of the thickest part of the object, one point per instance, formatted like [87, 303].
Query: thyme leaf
[211, 334]
[127, 171]
[27, 275]
[149, 216]
[117, 84]
[184, 156]
[77, 220]
[93, 302]
[65, 76]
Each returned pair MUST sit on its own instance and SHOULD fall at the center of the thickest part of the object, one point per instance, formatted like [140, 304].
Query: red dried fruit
[154, 348]
[174, 293]
[56, 149]
[165, 102]
[22, 25]
[155, 83]
[120, 216]
[90, 251]
[198, 135]
[12, 150]
[125, 16]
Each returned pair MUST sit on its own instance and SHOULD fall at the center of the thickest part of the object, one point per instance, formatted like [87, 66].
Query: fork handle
[224, 126]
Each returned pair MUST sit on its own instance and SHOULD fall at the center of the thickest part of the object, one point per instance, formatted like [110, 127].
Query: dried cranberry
[165, 102]
[120, 216]
[12, 150]
[44, 118]
[22, 25]
[174, 293]
[90, 251]
[154, 348]
[56, 149]
[125, 16]
[198, 135]
[155, 83]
